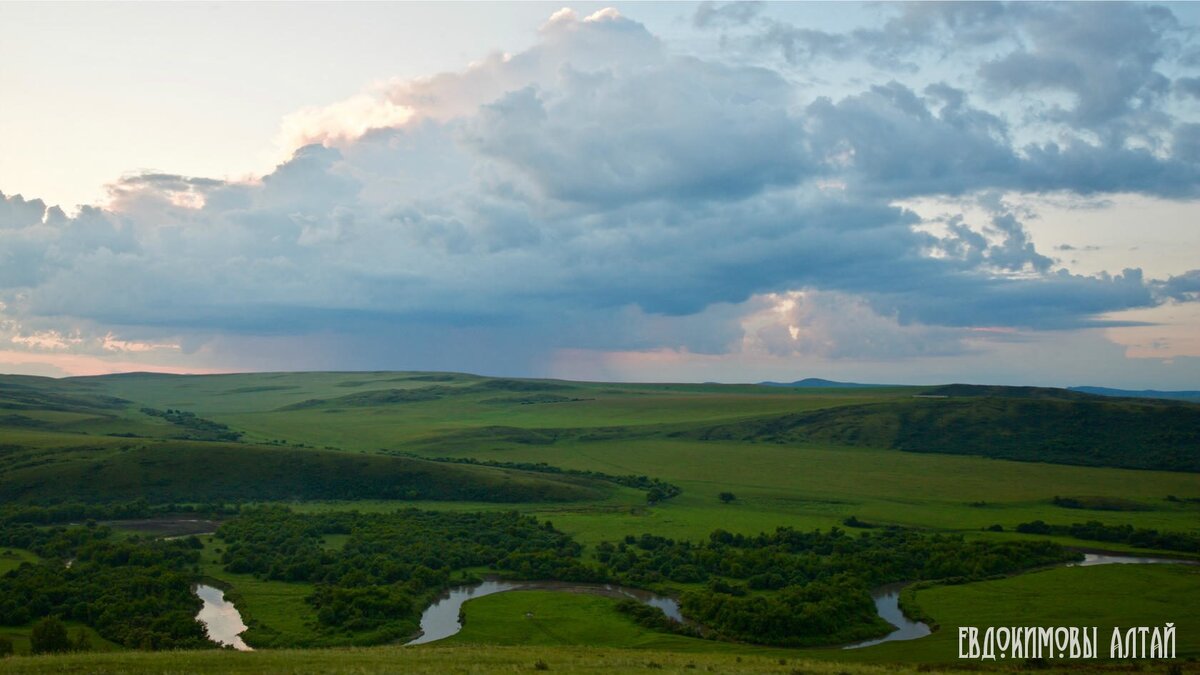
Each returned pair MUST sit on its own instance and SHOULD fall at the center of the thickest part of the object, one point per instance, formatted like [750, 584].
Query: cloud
[682, 130]
[599, 191]
[1184, 287]
[1188, 86]
[836, 326]
[732, 13]
[1104, 56]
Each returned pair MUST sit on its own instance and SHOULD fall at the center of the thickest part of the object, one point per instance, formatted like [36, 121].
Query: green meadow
[331, 442]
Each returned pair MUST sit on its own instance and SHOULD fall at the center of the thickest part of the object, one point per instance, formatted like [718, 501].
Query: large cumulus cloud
[599, 191]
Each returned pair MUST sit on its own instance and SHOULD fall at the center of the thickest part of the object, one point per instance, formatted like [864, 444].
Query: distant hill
[816, 382]
[999, 391]
[1140, 393]
[184, 471]
[68, 439]
[1019, 423]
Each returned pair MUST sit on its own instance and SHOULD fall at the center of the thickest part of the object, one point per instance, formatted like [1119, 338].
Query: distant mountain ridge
[818, 382]
[1139, 393]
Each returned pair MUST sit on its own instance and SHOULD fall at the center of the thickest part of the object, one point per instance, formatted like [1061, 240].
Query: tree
[727, 497]
[49, 635]
[81, 643]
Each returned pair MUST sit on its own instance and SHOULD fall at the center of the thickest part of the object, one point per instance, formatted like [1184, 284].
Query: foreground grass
[431, 660]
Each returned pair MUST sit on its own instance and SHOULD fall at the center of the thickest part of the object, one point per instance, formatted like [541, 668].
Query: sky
[903, 193]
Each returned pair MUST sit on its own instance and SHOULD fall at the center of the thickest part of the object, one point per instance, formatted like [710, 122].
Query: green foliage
[41, 393]
[655, 619]
[59, 441]
[1068, 429]
[819, 581]
[76, 511]
[374, 587]
[853, 521]
[656, 488]
[1099, 504]
[162, 473]
[81, 642]
[137, 593]
[196, 428]
[389, 397]
[726, 497]
[1105, 596]
[49, 636]
[1122, 534]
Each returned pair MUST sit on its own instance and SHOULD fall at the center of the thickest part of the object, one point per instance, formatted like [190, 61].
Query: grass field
[53, 431]
[273, 611]
[11, 558]
[20, 638]
[1132, 596]
[466, 660]
[1102, 596]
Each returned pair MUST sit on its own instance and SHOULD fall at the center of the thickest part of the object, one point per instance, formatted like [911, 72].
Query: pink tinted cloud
[85, 364]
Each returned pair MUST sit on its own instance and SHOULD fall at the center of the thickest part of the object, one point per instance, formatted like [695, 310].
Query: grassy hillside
[1019, 423]
[803, 458]
[210, 472]
[1147, 595]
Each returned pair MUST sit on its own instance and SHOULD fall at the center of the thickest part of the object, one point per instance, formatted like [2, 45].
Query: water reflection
[887, 605]
[220, 618]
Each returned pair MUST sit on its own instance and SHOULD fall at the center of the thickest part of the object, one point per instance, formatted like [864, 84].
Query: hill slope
[205, 472]
[1020, 423]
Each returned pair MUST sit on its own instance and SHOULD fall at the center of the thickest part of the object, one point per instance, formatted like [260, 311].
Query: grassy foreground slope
[466, 660]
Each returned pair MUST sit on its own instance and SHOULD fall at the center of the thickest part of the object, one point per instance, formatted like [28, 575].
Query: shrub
[49, 636]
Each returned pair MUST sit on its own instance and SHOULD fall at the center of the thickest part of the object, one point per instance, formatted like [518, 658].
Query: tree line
[1121, 534]
[373, 588]
[657, 489]
[134, 592]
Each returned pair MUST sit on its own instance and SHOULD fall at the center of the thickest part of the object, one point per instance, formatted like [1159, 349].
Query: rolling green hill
[1019, 423]
[933, 459]
[211, 472]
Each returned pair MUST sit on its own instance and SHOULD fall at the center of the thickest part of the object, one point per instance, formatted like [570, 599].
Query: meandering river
[441, 619]
[887, 598]
[887, 606]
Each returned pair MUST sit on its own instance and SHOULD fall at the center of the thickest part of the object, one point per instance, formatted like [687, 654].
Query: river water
[1090, 559]
[220, 618]
[441, 619]
[887, 598]
[887, 606]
